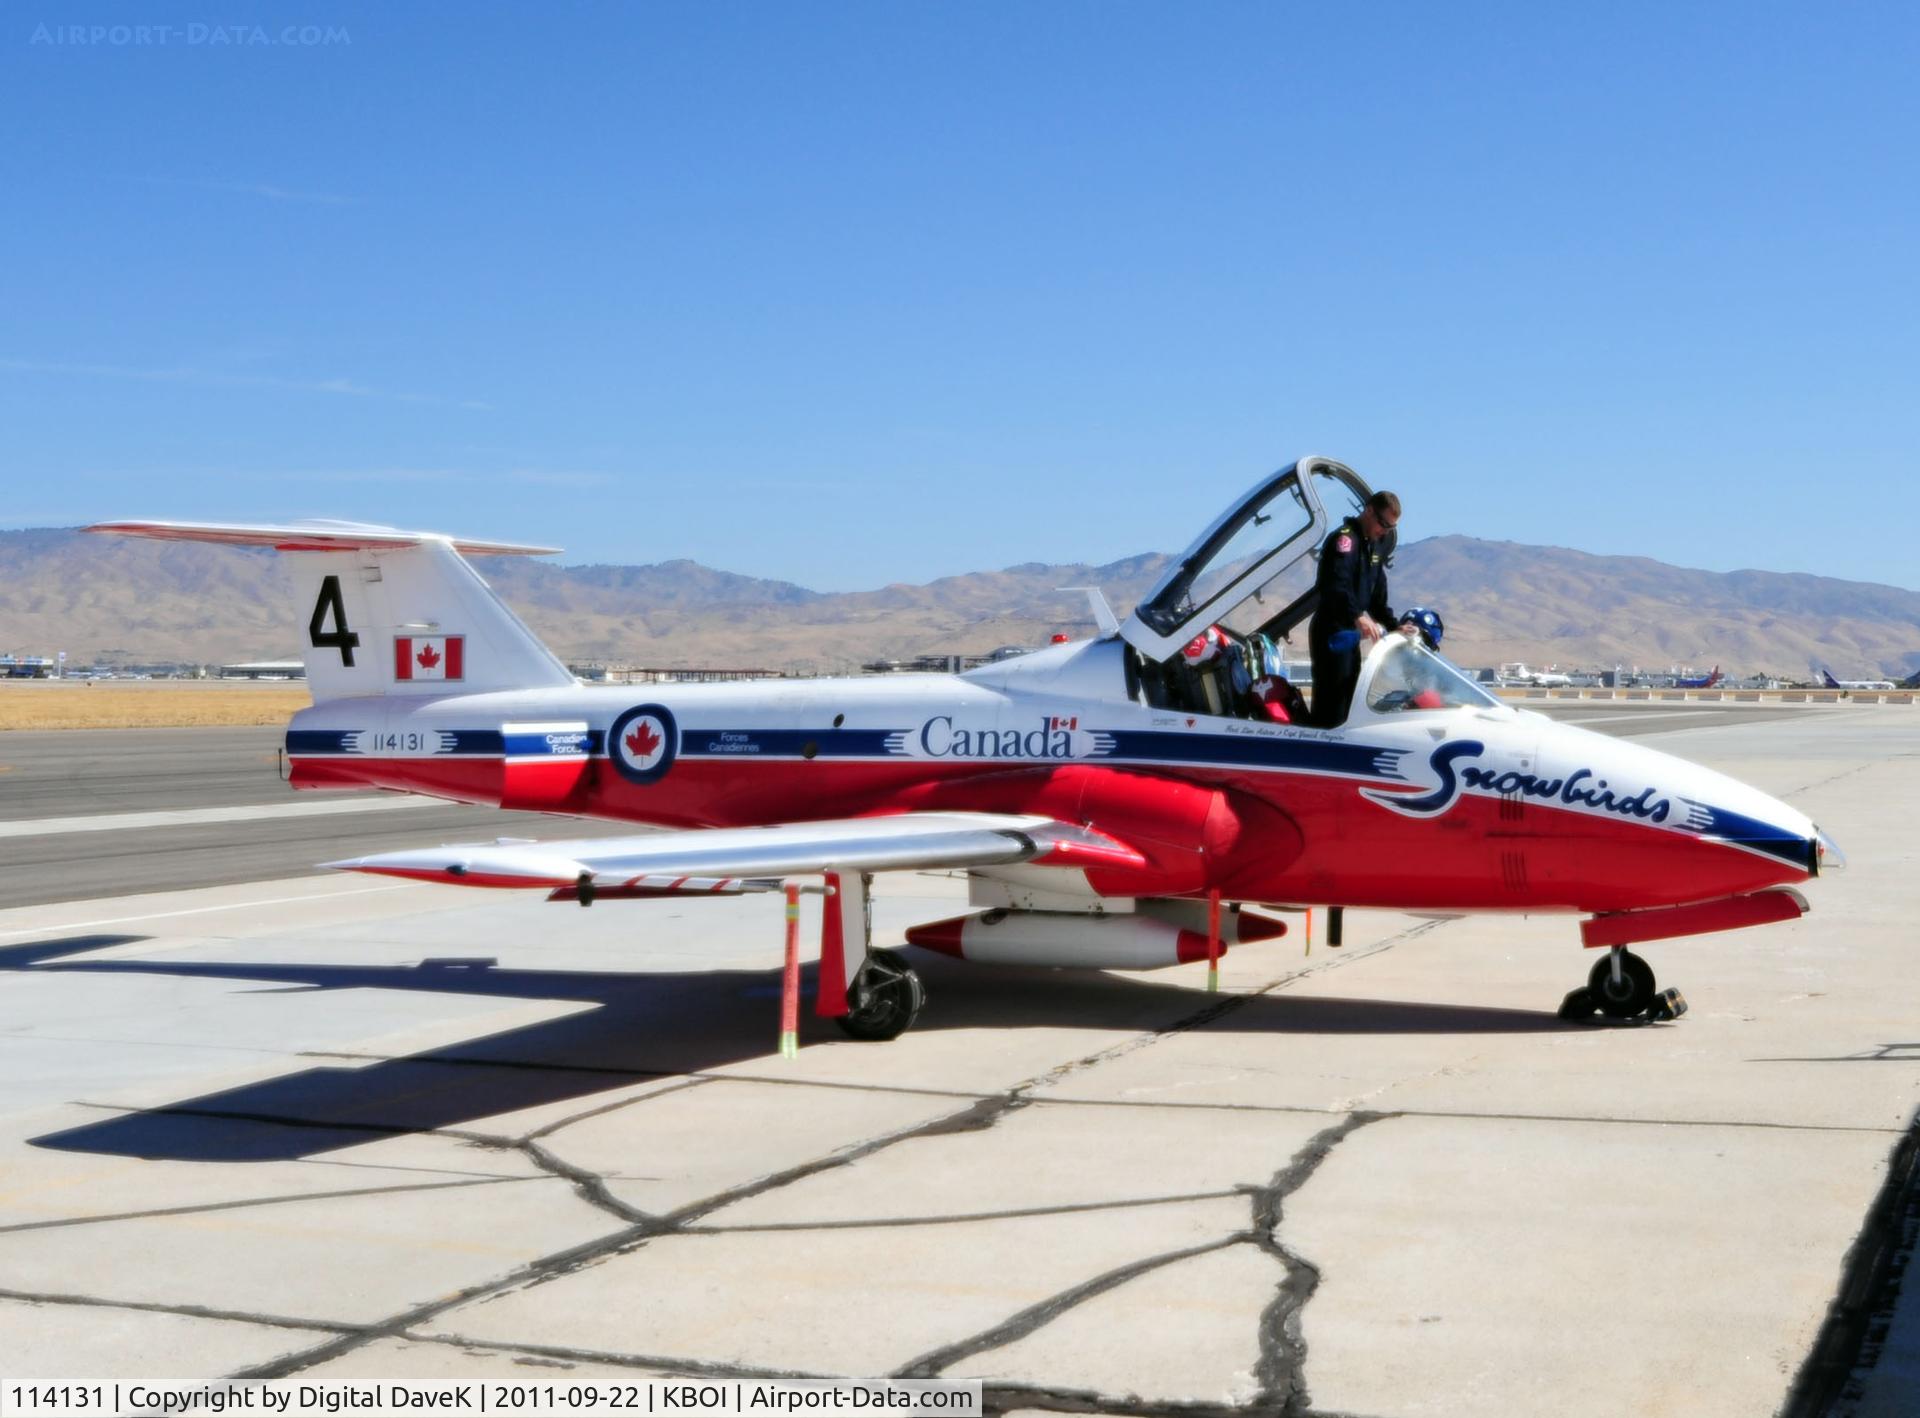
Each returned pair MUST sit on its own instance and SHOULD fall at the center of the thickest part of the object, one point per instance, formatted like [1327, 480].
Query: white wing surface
[315, 535]
[658, 861]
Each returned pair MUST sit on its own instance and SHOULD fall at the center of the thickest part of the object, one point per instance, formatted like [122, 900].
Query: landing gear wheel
[885, 997]
[1627, 996]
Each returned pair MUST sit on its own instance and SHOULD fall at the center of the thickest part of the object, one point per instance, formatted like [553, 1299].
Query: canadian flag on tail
[429, 657]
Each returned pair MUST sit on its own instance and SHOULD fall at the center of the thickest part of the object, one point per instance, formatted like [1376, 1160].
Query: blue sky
[851, 293]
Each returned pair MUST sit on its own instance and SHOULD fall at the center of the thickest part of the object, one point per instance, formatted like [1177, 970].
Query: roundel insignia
[643, 742]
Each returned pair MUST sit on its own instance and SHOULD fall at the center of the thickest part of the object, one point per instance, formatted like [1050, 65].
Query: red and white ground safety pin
[790, 976]
[1213, 942]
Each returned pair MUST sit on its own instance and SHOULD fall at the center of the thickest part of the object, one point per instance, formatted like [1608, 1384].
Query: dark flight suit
[1352, 579]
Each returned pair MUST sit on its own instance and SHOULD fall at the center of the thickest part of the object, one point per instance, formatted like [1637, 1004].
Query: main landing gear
[883, 998]
[1622, 987]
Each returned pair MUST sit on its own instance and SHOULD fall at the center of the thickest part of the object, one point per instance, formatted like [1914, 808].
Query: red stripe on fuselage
[1348, 851]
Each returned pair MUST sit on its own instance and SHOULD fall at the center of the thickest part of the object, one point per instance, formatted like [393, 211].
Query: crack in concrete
[1038, 1316]
[976, 1117]
[197, 1312]
[1462, 1115]
[672, 1364]
[1850, 772]
[639, 1227]
[247, 1202]
[902, 1089]
[285, 1120]
[572, 1118]
[630, 1237]
[395, 1326]
[497, 1141]
[591, 1187]
[457, 1061]
[962, 1217]
[1283, 1351]
[695, 1076]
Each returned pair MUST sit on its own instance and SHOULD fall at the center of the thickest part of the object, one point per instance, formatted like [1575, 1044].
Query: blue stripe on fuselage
[1739, 830]
[1292, 755]
[1298, 755]
[310, 743]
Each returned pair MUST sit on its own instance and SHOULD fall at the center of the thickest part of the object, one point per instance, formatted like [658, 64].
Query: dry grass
[143, 704]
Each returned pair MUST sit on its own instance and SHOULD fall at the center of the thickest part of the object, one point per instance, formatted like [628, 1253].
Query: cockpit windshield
[1409, 677]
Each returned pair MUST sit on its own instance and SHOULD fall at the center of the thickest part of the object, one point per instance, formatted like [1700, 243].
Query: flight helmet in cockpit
[1428, 623]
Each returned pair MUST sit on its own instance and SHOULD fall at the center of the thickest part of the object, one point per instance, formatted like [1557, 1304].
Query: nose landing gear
[1622, 987]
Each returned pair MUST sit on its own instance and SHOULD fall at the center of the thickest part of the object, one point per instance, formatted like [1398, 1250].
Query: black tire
[1578, 1005]
[1630, 995]
[884, 1000]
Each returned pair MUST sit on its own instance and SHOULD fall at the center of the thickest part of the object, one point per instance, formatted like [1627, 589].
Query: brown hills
[139, 601]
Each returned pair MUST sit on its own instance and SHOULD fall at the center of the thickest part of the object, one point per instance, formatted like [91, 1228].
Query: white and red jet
[1104, 796]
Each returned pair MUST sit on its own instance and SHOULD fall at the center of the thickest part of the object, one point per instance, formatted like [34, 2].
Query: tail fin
[390, 612]
[1826, 676]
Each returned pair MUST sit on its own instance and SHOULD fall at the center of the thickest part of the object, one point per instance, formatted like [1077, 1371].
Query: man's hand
[1367, 626]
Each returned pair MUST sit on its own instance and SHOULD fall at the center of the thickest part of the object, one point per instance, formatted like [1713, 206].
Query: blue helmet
[1427, 622]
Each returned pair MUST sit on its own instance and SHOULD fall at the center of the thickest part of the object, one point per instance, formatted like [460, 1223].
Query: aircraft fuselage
[1456, 809]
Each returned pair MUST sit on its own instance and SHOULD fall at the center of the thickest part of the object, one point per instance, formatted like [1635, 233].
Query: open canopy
[1244, 558]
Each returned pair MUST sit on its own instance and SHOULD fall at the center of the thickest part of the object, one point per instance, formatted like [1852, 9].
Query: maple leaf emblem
[427, 657]
[642, 741]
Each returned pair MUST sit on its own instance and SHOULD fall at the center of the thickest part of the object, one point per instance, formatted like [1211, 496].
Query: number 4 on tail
[339, 638]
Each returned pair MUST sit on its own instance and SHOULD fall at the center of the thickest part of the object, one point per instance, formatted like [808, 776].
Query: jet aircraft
[1699, 681]
[1518, 676]
[1125, 801]
[1827, 681]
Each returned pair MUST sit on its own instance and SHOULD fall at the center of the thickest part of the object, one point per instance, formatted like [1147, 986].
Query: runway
[1633, 720]
[308, 1125]
[242, 823]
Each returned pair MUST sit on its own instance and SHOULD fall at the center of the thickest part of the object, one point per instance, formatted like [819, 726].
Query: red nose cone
[1254, 927]
[943, 936]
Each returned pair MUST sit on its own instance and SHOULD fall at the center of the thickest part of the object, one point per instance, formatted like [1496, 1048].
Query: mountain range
[139, 601]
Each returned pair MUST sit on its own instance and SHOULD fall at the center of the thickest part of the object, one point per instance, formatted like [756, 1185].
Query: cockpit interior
[1208, 638]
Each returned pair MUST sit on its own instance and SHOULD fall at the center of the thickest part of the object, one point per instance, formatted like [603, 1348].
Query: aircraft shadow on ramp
[645, 1025]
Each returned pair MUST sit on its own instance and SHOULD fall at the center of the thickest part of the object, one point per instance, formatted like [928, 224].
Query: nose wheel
[1622, 986]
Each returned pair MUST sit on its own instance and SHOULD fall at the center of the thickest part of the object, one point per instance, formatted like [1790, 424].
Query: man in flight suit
[1353, 600]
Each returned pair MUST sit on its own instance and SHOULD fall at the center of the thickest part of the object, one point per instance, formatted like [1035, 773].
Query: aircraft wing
[726, 859]
[315, 535]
